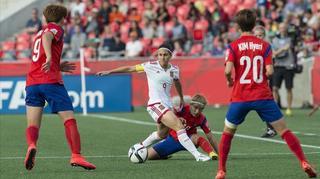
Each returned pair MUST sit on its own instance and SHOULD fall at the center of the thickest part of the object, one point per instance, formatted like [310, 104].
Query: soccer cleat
[78, 161]
[311, 172]
[221, 174]
[270, 133]
[30, 157]
[202, 158]
[213, 156]
[288, 112]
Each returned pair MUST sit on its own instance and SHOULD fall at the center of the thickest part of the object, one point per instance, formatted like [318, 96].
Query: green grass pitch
[106, 139]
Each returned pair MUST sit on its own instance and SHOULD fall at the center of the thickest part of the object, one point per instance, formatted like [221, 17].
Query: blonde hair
[199, 99]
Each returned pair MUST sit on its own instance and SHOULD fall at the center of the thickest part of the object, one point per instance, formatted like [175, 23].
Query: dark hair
[55, 13]
[246, 19]
[167, 45]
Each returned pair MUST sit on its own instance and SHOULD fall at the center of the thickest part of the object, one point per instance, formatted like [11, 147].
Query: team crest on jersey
[161, 107]
[171, 74]
[54, 31]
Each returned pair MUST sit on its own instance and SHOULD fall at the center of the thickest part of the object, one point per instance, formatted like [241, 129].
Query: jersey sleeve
[268, 55]
[230, 54]
[205, 125]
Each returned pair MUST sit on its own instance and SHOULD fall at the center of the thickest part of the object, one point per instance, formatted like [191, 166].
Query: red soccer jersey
[191, 123]
[250, 56]
[36, 75]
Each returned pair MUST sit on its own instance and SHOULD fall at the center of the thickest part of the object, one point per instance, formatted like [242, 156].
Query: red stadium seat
[23, 45]
[198, 34]
[23, 37]
[8, 45]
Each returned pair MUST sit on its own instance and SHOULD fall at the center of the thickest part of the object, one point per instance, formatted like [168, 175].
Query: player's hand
[230, 83]
[103, 73]
[67, 67]
[46, 66]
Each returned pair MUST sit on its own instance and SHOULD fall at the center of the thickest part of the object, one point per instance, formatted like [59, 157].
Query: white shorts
[156, 111]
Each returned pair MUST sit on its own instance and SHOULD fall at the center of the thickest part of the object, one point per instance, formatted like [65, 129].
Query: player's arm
[124, 69]
[47, 38]
[228, 73]
[269, 70]
[212, 141]
[178, 86]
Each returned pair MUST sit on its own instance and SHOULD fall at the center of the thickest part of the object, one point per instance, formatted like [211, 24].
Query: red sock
[294, 144]
[32, 133]
[72, 135]
[224, 148]
[204, 144]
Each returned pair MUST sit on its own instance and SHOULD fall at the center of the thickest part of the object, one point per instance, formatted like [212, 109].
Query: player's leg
[277, 78]
[294, 145]
[163, 149]
[289, 75]
[270, 112]
[156, 136]
[171, 120]
[235, 116]
[34, 108]
[201, 142]
[60, 102]
[270, 132]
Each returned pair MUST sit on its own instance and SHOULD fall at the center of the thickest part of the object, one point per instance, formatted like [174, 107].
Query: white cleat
[202, 158]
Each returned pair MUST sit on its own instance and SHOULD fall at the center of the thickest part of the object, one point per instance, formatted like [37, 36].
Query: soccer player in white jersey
[161, 76]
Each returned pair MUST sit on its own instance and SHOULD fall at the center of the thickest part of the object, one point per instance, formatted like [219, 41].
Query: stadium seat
[198, 34]
[8, 45]
[23, 45]
[23, 37]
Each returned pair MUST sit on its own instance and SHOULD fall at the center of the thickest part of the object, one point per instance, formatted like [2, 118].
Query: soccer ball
[138, 153]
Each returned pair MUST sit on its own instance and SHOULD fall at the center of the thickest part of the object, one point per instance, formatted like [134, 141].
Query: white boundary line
[179, 155]
[153, 124]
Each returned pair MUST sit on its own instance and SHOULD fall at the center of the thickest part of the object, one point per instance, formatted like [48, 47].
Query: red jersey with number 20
[36, 75]
[250, 55]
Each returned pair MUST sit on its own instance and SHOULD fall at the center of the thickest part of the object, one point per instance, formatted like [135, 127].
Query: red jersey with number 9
[250, 55]
[36, 75]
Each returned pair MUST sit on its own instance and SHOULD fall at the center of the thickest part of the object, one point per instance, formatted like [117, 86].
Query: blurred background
[124, 32]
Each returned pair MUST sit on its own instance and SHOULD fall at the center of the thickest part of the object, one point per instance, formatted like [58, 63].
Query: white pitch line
[114, 118]
[179, 155]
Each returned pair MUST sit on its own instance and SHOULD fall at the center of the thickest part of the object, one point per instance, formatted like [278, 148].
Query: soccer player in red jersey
[251, 58]
[192, 117]
[44, 83]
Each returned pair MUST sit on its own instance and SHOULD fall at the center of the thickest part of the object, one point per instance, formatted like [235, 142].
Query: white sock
[186, 142]
[153, 137]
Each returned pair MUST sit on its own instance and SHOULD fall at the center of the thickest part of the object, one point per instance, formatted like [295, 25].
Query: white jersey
[160, 82]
